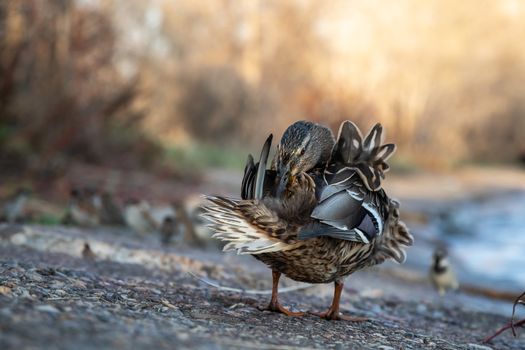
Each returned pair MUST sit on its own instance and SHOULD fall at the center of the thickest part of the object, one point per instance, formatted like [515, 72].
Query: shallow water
[487, 238]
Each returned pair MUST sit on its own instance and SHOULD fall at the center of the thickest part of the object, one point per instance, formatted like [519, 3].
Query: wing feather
[347, 209]
[248, 226]
[261, 169]
[257, 180]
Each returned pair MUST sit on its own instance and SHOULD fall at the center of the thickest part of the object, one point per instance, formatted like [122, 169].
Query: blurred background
[162, 100]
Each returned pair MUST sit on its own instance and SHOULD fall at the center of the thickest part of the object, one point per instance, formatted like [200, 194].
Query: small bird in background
[194, 227]
[87, 253]
[110, 213]
[441, 274]
[13, 209]
[83, 208]
[169, 229]
[137, 215]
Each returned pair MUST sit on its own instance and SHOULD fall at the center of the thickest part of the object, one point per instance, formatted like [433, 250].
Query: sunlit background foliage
[127, 82]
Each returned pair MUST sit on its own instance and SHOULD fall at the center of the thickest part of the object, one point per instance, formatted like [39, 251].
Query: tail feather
[395, 238]
[247, 226]
[367, 157]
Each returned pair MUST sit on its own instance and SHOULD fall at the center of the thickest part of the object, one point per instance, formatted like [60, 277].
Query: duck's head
[304, 146]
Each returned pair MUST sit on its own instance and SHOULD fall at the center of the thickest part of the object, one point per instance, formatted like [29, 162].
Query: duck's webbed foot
[333, 312]
[277, 307]
[274, 305]
[332, 315]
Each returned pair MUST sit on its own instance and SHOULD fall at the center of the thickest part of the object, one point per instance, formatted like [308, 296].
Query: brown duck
[319, 213]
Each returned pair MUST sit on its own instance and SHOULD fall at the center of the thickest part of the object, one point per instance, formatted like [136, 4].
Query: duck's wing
[248, 226]
[352, 206]
[347, 210]
[258, 181]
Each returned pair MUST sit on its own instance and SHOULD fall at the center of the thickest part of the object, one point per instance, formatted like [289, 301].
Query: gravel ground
[136, 294]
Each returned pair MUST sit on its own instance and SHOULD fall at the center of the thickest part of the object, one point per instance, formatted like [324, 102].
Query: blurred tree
[443, 77]
[215, 104]
[61, 94]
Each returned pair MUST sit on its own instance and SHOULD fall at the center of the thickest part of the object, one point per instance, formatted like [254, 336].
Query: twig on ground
[512, 325]
[503, 329]
[518, 301]
[247, 291]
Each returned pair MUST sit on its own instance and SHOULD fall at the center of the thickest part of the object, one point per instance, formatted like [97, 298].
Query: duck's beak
[285, 176]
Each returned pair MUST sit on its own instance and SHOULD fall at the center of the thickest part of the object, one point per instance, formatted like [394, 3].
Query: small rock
[24, 293]
[437, 314]
[421, 309]
[104, 317]
[385, 347]
[478, 347]
[19, 238]
[33, 276]
[46, 271]
[378, 335]
[79, 284]
[372, 293]
[203, 315]
[48, 308]
[376, 309]
[183, 336]
[56, 285]
[5, 290]
[5, 312]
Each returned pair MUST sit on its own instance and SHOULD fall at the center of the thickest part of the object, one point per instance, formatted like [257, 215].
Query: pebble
[421, 309]
[376, 309]
[48, 308]
[183, 336]
[378, 335]
[478, 347]
[79, 284]
[203, 315]
[385, 347]
[34, 276]
[438, 314]
[5, 312]
[103, 317]
[24, 293]
[5, 290]
[56, 285]
[19, 238]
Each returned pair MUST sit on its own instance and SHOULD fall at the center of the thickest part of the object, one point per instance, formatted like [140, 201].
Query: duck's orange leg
[274, 305]
[333, 312]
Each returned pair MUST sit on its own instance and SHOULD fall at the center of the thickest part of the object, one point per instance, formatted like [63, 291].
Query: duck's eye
[303, 150]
